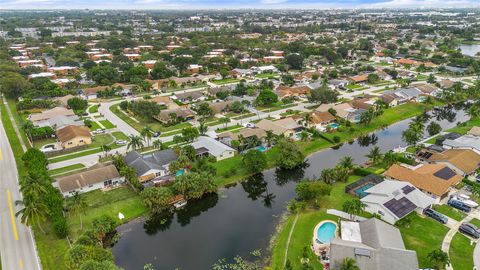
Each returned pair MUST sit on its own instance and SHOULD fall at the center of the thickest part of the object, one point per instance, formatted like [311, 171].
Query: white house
[206, 146]
[393, 200]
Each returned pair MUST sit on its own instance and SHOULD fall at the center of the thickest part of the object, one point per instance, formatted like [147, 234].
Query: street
[17, 247]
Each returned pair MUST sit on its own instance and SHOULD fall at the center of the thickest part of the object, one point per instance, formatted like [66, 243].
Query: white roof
[350, 231]
[214, 147]
[464, 142]
[42, 74]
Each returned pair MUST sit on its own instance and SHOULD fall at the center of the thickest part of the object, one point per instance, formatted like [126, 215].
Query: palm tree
[147, 133]
[157, 144]
[77, 204]
[33, 211]
[32, 188]
[353, 207]
[307, 119]
[105, 148]
[439, 259]
[304, 135]
[349, 264]
[474, 111]
[202, 128]
[390, 158]
[225, 121]
[374, 155]
[347, 163]
[28, 128]
[269, 138]
[135, 142]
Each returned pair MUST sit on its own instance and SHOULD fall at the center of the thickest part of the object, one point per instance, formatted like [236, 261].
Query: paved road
[17, 247]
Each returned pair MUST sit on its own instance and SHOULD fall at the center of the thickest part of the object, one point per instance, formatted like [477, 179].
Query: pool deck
[317, 247]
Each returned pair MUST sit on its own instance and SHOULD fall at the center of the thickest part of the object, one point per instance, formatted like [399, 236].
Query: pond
[241, 218]
[470, 50]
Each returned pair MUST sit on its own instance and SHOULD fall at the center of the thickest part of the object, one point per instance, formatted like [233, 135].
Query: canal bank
[242, 217]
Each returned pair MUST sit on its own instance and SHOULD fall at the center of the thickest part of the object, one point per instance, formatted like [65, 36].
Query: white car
[248, 125]
[121, 142]
[48, 148]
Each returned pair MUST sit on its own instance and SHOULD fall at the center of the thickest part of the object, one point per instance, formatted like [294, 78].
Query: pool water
[326, 232]
[334, 125]
[180, 172]
[261, 148]
[361, 190]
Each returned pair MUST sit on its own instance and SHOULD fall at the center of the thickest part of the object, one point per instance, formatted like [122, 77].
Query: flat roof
[350, 231]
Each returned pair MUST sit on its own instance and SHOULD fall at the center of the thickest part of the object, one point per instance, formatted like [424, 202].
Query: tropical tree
[307, 119]
[374, 155]
[157, 144]
[255, 160]
[347, 163]
[202, 128]
[474, 111]
[433, 128]
[349, 264]
[147, 133]
[189, 134]
[105, 148]
[390, 158]
[304, 135]
[225, 121]
[439, 259]
[289, 155]
[411, 136]
[28, 127]
[328, 176]
[77, 204]
[353, 207]
[33, 211]
[269, 138]
[135, 143]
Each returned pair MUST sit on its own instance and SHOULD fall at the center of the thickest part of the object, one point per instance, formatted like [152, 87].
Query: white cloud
[272, 2]
[423, 3]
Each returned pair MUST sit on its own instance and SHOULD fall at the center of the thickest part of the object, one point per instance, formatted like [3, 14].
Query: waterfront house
[207, 146]
[152, 165]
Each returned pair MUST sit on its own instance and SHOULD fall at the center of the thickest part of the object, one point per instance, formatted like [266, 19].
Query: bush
[336, 139]
[361, 171]
[60, 226]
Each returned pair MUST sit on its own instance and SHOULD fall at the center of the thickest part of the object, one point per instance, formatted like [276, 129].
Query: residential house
[63, 101]
[207, 146]
[463, 161]
[172, 115]
[220, 107]
[165, 101]
[240, 73]
[91, 92]
[189, 97]
[97, 177]
[357, 79]
[283, 91]
[428, 89]
[73, 136]
[150, 166]
[263, 69]
[287, 126]
[389, 99]
[194, 68]
[336, 84]
[58, 122]
[403, 95]
[463, 142]
[436, 180]
[446, 83]
[393, 200]
[321, 119]
[48, 114]
[373, 244]
[246, 134]
[343, 110]
[215, 90]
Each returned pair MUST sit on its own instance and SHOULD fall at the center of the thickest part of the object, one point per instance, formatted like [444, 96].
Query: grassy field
[461, 252]
[450, 212]
[465, 127]
[475, 222]
[93, 109]
[155, 125]
[95, 126]
[13, 139]
[66, 169]
[422, 235]
[226, 81]
[18, 120]
[107, 124]
[42, 142]
[120, 135]
[123, 200]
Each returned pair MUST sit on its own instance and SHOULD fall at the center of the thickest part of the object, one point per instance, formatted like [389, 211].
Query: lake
[470, 50]
[241, 218]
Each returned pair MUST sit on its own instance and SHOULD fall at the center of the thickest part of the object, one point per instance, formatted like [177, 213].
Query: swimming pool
[334, 125]
[261, 148]
[326, 231]
[180, 172]
[361, 190]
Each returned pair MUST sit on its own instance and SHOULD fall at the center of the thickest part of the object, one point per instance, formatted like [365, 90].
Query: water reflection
[367, 140]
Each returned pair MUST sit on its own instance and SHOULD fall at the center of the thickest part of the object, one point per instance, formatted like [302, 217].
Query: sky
[231, 4]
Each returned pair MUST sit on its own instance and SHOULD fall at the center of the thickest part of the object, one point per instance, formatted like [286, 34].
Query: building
[343, 110]
[91, 92]
[48, 114]
[150, 166]
[463, 161]
[436, 180]
[373, 244]
[172, 115]
[58, 122]
[206, 146]
[463, 142]
[91, 179]
[246, 134]
[321, 119]
[73, 136]
[287, 127]
[393, 200]
[292, 92]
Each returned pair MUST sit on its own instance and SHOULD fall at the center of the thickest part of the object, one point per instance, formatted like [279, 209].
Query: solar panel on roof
[401, 207]
[445, 173]
[407, 189]
[428, 155]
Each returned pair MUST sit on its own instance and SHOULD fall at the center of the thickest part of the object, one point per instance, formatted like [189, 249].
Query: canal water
[470, 50]
[241, 218]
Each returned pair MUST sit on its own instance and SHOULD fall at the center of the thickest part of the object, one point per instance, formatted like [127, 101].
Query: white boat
[470, 203]
[180, 204]
[399, 149]
[465, 199]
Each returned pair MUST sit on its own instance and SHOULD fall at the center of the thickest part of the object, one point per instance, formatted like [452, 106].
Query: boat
[465, 199]
[399, 149]
[180, 204]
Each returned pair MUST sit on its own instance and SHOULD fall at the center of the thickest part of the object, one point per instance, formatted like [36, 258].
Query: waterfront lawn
[466, 126]
[461, 252]
[302, 236]
[422, 235]
[123, 200]
[107, 124]
[450, 212]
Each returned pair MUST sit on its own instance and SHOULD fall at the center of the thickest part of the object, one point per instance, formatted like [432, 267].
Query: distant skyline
[232, 4]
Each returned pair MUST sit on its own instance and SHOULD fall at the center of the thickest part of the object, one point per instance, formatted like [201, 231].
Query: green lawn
[66, 169]
[107, 124]
[39, 143]
[155, 125]
[421, 77]
[223, 129]
[461, 252]
[475, 222]
[93, 109]
[422, 235]
[12, 138]
[120, 136]
[93, 148]
[18, 120]
[226, 81]
[356, 87]
[465, 127]
[266, 76]
[95, 126]
[450, 212]
[110, 203]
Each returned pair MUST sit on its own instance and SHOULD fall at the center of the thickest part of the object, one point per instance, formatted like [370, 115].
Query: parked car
[459, 205]
[436, 215]
[47, 148]
[99, 131]
[156, 134]
[470, 230]
[248, 125]
[121, 142]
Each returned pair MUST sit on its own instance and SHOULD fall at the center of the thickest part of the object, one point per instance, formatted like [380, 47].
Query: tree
[223, 73]
[308, 190]
[255, 161]
[439, 259]
[105, 149]
[347, 163]
[160, 71]
[202, 128]
[269, 138]
[103, 74]
[204, 110]
[33, 211]
[431, 79]
[157, 199]
[157, 144]
[353, 207]
[411, 136]
[266, 97]
[433, 128]
[135, 143]
[225, 121]
[190, 133]
[289, 155]
[295, 61]
[77, 204]
[390, 158]
[194, 184]
[13, 84]
[96, 265]
[474, 111]
[77, 104]
[147, 134]
[323, 94]
[374, 155]
[373, 78]
[349, 264]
